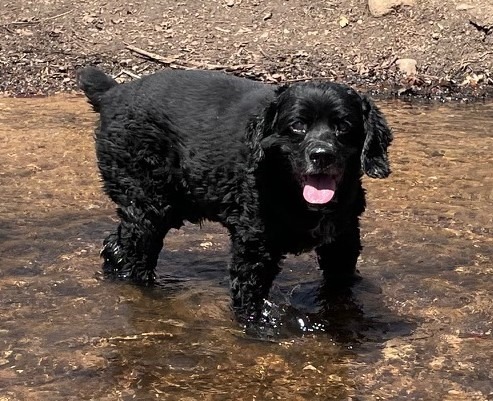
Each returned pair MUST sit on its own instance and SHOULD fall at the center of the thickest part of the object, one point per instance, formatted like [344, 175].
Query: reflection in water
[418, 326]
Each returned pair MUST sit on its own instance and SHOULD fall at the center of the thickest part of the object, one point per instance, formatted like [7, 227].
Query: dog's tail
[94, 83]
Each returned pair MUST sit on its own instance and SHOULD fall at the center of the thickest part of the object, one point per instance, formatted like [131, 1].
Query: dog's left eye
[343, 129]
[299, 127]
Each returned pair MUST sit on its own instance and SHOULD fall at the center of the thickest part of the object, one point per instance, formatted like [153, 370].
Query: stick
[173, 63]
[57, 16]
[39, 21]
[465, 63]
[152, 56]
[139, 336]
[129, 73]
[288, 81]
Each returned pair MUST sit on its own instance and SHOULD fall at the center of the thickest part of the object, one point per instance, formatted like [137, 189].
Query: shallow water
[419, 325]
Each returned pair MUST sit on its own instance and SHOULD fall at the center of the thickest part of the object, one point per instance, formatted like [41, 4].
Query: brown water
[418, 327]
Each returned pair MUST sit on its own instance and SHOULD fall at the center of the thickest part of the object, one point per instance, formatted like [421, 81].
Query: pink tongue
[319, 189]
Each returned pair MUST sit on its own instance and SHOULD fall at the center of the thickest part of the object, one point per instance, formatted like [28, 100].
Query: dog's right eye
[299, 127]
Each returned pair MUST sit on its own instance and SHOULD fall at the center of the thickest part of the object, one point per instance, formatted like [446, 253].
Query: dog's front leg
[338, 258]
[252, 271]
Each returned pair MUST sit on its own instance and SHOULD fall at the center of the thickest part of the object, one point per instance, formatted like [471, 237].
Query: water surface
[419, 326]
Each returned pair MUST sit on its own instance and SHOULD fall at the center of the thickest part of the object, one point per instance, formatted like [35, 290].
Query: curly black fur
[279, 167]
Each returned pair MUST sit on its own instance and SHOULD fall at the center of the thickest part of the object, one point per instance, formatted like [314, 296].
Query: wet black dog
[279, 167]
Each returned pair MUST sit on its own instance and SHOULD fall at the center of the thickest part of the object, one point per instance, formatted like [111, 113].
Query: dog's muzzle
[320, 183]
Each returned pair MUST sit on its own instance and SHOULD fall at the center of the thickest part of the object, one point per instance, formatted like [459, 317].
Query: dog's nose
[321, 157]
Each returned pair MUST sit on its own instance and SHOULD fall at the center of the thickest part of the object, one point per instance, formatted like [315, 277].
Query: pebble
[379, 8]
[407, 66]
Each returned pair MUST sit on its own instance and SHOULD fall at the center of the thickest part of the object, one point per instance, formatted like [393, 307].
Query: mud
[419, 325]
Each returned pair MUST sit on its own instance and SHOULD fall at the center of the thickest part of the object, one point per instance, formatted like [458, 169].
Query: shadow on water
[418, 326]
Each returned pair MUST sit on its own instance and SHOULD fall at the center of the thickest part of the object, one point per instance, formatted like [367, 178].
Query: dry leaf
[24, 32]
[463, 7]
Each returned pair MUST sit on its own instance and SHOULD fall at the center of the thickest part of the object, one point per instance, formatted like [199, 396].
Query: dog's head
[328, 132]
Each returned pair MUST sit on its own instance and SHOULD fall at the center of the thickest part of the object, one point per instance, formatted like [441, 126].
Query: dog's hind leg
[136, 170]
[132, 251]
[338, 258]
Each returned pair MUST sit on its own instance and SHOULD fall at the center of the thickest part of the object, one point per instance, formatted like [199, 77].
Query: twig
[7, 28]
[40, 20]
[465, 63]
[139, 336]
[264, 53]
[390, 63]
[288, 81]
[129, 73]
[149, 55]
[78, 36]
[173, 63]
[56, 16]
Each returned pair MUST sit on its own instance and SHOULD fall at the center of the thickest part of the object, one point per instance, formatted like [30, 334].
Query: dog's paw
[264, 324]
[117, 265]
[341, 279]
[113, 258]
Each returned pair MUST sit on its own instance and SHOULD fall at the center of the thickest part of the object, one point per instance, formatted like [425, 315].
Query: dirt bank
[451, 42]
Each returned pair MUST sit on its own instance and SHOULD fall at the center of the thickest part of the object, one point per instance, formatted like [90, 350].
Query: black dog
[279, 167]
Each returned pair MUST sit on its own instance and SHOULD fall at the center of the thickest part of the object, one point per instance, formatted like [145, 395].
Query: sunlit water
[419, 326]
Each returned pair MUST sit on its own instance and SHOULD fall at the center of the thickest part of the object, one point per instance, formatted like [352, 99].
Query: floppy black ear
[374, 159]
[261, 127]
[253, 137]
